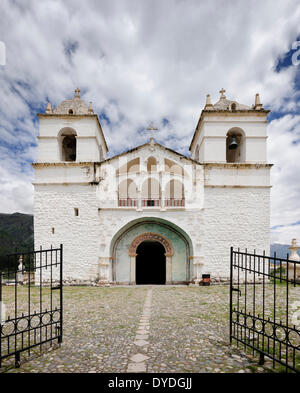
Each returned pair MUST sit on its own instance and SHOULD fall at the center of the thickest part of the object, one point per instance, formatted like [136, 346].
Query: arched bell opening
[235, 145]
[67, 144]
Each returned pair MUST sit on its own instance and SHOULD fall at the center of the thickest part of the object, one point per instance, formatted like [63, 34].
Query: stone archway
[154, 237]
[178, 250]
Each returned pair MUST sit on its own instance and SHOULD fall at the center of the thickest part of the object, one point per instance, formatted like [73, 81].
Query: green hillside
[16, 231]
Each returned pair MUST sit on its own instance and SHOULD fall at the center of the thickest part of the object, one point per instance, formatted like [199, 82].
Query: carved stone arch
[151, 236]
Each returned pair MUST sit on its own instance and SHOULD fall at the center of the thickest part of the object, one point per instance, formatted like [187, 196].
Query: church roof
[226, 105]
[75, 106]
[223, 105]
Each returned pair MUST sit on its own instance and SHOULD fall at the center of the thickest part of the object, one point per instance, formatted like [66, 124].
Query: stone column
[103, 271]
[117, 194]
[168, 269]
[294, 257]
[132, 269]
[162, 202]
[139, 201]
[198, 263]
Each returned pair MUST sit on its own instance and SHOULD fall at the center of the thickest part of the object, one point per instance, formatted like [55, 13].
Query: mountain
[16, 231]
[281, 250]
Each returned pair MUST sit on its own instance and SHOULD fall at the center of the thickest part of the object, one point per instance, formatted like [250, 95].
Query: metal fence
[31, 300]
[263, 302]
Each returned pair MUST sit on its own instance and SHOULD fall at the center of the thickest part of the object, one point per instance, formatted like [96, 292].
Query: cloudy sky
[142, 61]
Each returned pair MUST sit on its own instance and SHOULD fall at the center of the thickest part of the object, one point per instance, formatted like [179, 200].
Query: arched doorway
[177, 244]
[150, 263]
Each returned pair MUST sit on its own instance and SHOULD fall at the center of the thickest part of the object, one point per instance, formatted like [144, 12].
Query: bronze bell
[233, 143]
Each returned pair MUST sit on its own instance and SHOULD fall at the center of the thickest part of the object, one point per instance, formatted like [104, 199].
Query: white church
[151, 215]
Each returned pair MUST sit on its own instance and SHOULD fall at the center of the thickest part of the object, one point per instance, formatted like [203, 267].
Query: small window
[70, 111]
[76, 211]
[53, 230]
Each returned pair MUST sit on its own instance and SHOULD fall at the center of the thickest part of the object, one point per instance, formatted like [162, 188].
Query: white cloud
[142, 61]
[284, 235]
[285, 176]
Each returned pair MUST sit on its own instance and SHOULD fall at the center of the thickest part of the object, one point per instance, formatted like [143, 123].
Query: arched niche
[173, 167]
[151, 192]
[235, 137]
[132, 166]
[174, 193]
[151, 165]
[127, 193]
[67, 144]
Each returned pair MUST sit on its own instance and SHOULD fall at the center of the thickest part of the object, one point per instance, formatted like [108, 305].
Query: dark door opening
[150, 263]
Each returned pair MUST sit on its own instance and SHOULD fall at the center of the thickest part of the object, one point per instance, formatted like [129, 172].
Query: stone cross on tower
[77, 93]
[152, 128]
[222, 91]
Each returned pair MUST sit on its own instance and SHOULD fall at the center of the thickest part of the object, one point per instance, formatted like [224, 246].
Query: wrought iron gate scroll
[263, 292]
[31, 300]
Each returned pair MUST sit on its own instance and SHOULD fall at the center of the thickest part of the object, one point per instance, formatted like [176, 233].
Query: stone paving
[144, 329]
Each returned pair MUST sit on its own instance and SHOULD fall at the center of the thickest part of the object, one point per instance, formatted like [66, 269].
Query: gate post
[230, 302]
[61, 295]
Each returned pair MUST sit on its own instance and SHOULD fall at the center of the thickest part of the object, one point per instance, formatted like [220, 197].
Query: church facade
[152, 215]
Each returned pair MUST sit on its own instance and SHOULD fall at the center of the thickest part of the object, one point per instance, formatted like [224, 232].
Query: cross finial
[77, 91]
[152, 128]
[222, 91]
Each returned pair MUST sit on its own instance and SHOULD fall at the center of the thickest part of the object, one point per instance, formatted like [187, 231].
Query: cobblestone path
[144, 329]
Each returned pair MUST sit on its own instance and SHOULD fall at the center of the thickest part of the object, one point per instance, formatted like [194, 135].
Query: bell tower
[230, 132]
[71, 133]
[230, 141]
[71, 149]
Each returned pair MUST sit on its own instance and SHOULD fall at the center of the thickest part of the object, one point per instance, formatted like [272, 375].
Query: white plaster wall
[214, 149]
[256, 149]
[54, 208]
[238, 217]
[48, 149]
[87, 149]
[66, 173]
[237, 175]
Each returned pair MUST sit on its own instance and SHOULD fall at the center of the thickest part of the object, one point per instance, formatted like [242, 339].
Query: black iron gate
[31, 303]
[263, 307]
